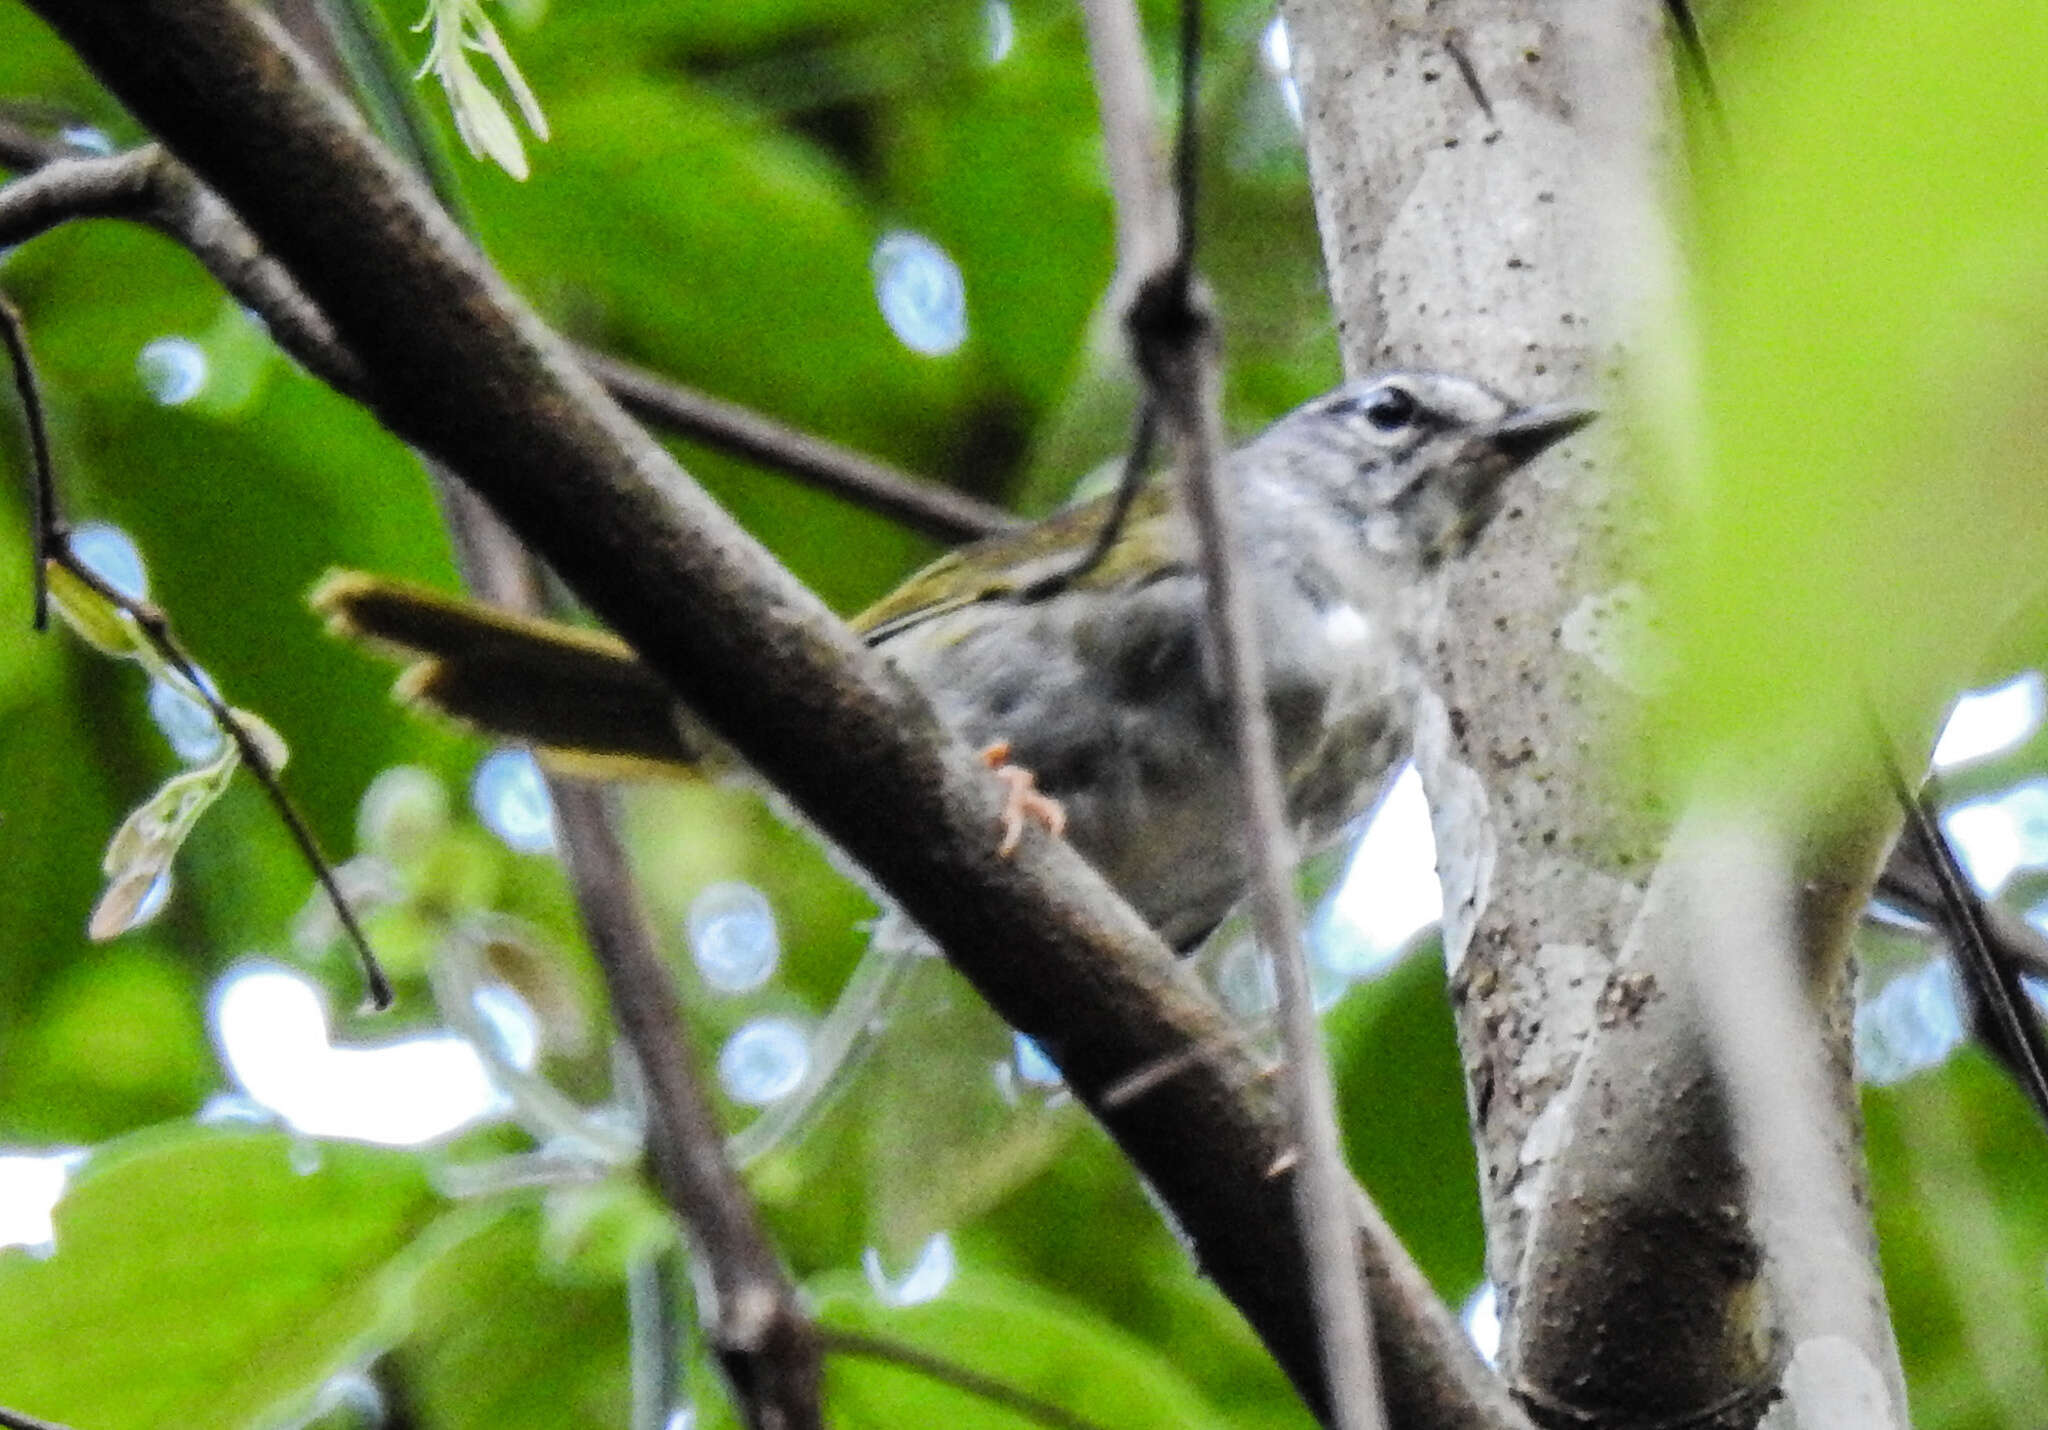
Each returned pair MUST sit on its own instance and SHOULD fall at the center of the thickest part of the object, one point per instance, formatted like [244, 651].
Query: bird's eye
[1391, 408]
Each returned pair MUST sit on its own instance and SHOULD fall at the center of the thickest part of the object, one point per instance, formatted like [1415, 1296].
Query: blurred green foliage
[1863, 517]
[717, 181]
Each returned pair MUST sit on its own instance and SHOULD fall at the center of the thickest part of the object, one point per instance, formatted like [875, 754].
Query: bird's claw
[1022, 800]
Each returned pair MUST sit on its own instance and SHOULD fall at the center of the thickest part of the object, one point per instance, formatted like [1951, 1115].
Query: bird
[1091, 687]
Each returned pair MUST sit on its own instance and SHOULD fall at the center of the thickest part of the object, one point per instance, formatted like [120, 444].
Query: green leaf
[148, 840]
[501, 1343]
[200, 1280]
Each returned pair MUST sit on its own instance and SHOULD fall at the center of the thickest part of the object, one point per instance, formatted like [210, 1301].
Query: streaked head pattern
[1417, 458]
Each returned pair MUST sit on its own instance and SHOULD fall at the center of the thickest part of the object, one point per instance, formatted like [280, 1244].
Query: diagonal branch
[754, 1320]
[466, 373]
[670, 407]
[758, 1327]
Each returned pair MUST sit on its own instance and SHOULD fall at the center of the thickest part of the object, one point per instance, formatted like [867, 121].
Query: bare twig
[2001, 1009]
[156, 629]
[1130, 482]
[963, 1378]
[1130, 138]
[1323, 1187]
[23, 147]
[149, 187]
[1173, 338]
[670, 407]
[465, 372]
[47, 522]
[1693, 47]
[757, 1326]
[53, 545]
[1909, 884]
[15, 1420]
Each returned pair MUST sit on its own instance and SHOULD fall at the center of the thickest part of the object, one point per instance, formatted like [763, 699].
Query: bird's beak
[1529, 431]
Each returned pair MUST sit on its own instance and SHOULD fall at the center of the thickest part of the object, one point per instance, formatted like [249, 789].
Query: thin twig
[2005, 1013]
[1130, 138]
[23, 147]
[1140, 1083]
[15, 1420]
[53, 544]
[1322, 1184]
[945, 1372]
[147, 186]
[684, 412]
[1908, 885]
[1130, 481]
[1693, 46]
[48, 522]
[1174, 342]
[1187, 144]
[156, 629]
[758, 1328]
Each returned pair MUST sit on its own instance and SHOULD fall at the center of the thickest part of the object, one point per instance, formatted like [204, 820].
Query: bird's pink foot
[1024, 800]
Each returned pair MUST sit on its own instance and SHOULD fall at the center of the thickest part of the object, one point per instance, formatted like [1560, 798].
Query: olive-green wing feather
[580, 694]
[1004, 568]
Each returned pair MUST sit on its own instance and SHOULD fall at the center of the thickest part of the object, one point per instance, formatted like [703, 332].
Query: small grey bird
[1099, 689]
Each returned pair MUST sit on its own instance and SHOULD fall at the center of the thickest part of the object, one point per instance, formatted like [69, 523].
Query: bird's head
[1418, 458]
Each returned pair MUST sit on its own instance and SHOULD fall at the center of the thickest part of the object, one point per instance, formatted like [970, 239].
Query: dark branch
[684, 412]
[48, 521]
[963, 1378]
[2000, 1007]
[756, 1324]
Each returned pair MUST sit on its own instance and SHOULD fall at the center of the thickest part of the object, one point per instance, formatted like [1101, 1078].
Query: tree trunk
[1486, 176]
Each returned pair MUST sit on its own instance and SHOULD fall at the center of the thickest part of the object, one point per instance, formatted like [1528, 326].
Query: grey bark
[1486, 174]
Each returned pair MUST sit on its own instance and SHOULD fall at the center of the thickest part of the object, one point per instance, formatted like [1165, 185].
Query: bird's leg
[1024, 800]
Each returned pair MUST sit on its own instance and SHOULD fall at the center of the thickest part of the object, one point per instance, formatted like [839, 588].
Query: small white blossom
[461, 29]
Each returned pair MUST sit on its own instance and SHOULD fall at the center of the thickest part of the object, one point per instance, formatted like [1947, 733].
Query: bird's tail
[582, 697]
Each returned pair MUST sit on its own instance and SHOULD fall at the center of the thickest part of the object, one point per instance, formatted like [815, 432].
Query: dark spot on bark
[1625, 995]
